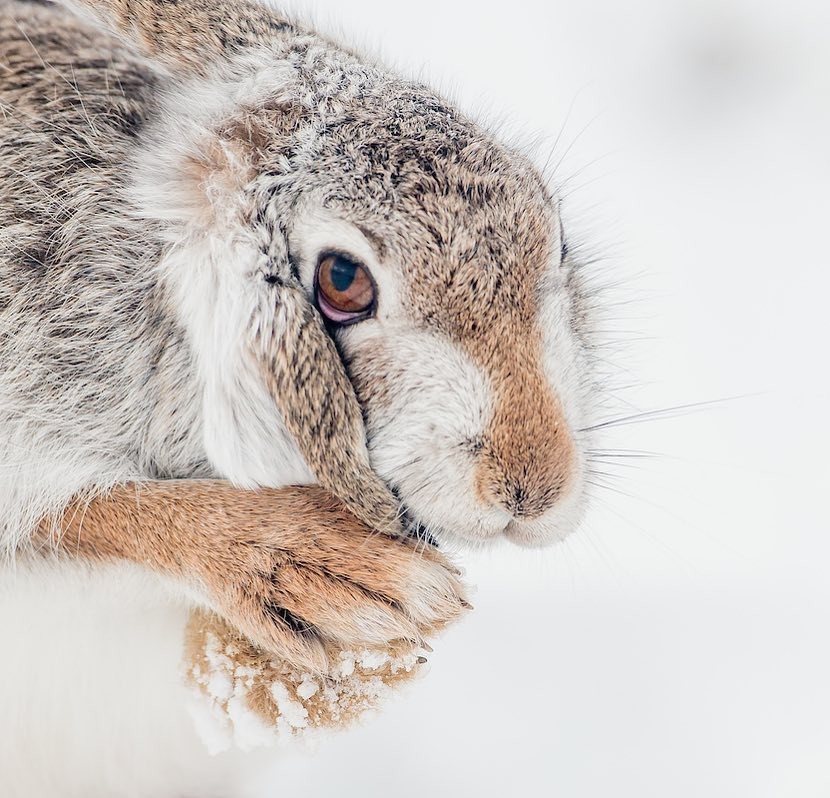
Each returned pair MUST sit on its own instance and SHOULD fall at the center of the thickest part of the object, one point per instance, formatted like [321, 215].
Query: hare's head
[339, 234]
[435, 255]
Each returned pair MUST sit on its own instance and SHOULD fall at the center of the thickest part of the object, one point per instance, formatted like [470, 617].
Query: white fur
[441, 402]
[244, 436]
[98, 707]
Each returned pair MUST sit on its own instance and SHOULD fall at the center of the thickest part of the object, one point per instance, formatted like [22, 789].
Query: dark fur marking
[289, 619]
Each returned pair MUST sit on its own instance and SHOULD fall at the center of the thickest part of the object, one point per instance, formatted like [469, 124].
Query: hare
[263, 305]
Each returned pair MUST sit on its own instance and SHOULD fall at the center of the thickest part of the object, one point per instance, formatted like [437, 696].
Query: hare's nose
[529, 501]
[525, 490]
[526, 460]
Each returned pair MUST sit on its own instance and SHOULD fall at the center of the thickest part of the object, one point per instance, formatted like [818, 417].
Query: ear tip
[376, 506]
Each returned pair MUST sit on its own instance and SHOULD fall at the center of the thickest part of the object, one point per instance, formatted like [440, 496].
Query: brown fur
[290, 568]
[526, 456]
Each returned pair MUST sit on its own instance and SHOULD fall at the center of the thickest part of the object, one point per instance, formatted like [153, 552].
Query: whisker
[663, 413]
[576, 138]
[562, 128]
[582, 169]
[626, 452]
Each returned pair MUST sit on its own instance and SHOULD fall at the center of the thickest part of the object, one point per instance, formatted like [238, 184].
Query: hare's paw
[338, 584]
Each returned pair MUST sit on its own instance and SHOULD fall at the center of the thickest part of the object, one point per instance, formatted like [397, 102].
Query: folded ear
[197, 178]
[318, 405]
[186, 35]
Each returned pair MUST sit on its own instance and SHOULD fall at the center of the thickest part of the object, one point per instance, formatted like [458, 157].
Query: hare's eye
[345, 291]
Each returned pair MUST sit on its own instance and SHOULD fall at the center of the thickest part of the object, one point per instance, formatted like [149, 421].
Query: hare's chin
[534, 536]
[437, 536]
[526, 534]
[478, 530]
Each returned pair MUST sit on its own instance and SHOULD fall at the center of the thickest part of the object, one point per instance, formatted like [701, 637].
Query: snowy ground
[679, 645]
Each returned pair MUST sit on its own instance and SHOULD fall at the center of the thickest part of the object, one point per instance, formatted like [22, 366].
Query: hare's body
[93, 699]
[169, 194]
[98, 386]
[89, 345]
[79, 314]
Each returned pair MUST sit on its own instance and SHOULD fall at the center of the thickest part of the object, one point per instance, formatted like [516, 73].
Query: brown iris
[345, 290]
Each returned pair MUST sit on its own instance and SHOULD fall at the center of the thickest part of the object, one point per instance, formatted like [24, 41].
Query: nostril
[512, 497]
[519, 499]
[524, 502]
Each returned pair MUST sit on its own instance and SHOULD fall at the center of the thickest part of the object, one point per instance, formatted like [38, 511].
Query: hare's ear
[318, 405]
[187, 35]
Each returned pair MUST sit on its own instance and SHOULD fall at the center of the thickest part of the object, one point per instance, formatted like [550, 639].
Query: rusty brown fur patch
[526, 455]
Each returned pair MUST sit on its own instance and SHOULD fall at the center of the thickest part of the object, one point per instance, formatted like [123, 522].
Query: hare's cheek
[422, 384]
[426, 405]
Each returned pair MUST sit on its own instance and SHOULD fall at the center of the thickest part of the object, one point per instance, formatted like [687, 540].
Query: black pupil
[342, 273]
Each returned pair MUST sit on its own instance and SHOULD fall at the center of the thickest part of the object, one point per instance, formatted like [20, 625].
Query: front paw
[312, 576]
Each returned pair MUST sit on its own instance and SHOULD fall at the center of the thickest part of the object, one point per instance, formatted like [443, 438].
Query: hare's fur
[169, 177]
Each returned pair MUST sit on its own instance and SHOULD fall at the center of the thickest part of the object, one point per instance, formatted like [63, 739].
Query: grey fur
[92, 364]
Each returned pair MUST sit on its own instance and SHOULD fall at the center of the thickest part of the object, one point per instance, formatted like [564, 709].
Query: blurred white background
[678, 646]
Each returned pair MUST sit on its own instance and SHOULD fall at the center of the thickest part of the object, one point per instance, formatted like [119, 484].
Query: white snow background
[678, 646]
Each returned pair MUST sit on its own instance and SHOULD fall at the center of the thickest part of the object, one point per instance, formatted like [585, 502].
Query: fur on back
[92, 360]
